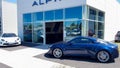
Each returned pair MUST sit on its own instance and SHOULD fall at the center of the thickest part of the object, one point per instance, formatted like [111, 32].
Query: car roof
[92, 38]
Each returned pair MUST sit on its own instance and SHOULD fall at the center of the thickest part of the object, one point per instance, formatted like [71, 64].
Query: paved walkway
[24, 58]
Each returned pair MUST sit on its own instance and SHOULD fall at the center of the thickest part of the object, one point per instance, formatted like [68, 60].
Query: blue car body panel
[86, 49]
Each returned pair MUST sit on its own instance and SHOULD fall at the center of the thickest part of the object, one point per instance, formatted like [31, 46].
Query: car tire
[103, 56]
[57, 53]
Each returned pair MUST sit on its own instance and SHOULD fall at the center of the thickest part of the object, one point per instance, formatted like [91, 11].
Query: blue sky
[14, 1]
[119, 0]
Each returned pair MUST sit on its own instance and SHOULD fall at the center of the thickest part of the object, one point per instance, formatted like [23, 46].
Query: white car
[8, 39]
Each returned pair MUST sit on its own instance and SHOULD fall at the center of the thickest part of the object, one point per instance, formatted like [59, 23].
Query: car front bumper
[115, 53]
[10, 43]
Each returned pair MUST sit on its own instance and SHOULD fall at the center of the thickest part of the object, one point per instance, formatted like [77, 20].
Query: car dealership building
[8, 17]
[50, 21]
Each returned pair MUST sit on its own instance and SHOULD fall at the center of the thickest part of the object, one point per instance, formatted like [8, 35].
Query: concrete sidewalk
[24, 58]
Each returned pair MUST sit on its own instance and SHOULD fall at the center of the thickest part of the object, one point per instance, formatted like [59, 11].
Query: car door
[78, 46]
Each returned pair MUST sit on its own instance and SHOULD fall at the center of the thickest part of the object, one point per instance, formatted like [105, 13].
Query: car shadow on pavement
[79, 62]
[12, 47]
[35, 45]
[74, 61]
[73, 58]
[24, 45]
[4, 66]
[76, 58]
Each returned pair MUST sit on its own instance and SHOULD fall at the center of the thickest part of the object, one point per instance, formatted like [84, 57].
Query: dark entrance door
[54, 32]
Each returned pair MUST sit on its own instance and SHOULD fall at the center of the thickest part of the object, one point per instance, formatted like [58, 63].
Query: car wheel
[57, 53]
[103, 56]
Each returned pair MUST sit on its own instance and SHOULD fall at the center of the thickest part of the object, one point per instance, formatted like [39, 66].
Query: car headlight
[2, 40]
[50, 46]
[18, 38]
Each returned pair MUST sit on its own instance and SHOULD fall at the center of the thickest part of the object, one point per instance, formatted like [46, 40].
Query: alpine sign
[41, 2]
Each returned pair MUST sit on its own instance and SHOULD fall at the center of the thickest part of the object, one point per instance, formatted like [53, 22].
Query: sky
[14, 1]
[119, 1]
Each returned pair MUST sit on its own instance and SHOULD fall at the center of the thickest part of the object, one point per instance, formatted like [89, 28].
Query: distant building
[8, 17]
[50, 21]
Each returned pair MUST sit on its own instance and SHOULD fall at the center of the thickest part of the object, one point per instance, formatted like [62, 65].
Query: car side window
[81, 40]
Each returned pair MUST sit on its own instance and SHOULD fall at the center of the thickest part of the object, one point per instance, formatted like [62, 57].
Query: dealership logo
[41, 2]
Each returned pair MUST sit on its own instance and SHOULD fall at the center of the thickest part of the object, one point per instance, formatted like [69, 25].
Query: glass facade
[27, 27]
[59, 14]
[95, 23]
[77, 21]
[73, 13]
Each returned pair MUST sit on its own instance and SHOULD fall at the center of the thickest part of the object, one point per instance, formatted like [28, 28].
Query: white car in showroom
[9, 39]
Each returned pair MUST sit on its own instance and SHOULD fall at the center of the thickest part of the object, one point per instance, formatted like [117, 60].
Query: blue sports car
[99, 49]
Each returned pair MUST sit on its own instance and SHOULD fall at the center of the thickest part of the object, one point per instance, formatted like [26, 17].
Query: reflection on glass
[49, 15]
[75, 13]
[96, 29]
[72, 29]
[92, 14]
[38, 16]
[38, 33]
[100, 30]
[27, 32]
[92, 28]
[59, 14]
[100, 16]
[27, 18]
[100, 34]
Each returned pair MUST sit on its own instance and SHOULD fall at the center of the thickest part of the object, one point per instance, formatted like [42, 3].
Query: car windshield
[8, 35]
[102, 41]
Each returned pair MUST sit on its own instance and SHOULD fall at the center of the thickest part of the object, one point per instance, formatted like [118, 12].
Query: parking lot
[33, 56]
[81, 62]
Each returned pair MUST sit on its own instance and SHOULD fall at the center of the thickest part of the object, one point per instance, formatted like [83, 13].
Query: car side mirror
[96, 42]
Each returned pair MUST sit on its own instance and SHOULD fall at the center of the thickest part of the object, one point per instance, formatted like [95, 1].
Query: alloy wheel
[57, 53]
[103, 56]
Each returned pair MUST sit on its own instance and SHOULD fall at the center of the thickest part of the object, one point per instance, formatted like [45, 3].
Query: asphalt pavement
[80, 62]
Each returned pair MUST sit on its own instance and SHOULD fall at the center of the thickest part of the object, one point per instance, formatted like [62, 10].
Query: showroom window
[38, 36]
[100, 16]
[72, 29]
[38, 16]
[59, 14]
[27, 17]
[92, 28]
[49, 15]
[95, 23]
[92, 14]
[100, 29]
[28, 32]
[27, 27]
[73, 13]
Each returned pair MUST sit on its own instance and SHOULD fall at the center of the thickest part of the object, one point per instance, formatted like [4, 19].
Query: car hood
[58, 44]
[112, 45]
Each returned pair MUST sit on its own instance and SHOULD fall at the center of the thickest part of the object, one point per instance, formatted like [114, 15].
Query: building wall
[112, 15]
[9, 17]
